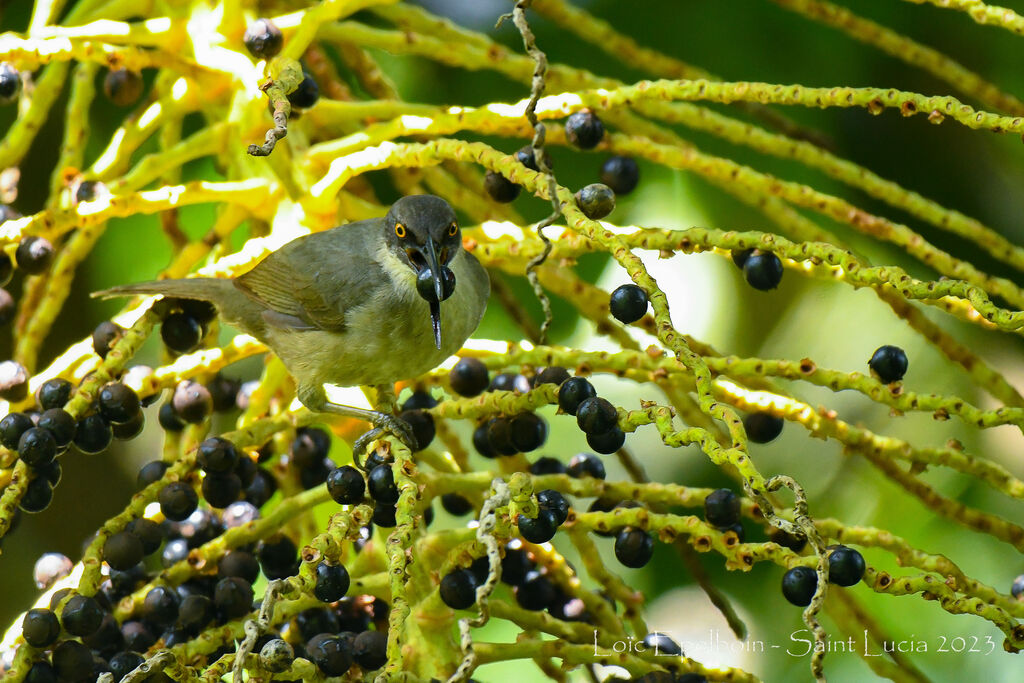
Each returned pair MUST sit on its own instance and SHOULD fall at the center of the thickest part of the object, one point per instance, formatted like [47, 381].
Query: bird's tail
[202, 288]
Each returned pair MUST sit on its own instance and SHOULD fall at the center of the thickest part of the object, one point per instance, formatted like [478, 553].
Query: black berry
[722, 508]
[38, 495]
[122, 87]
[331, 654]
[224, 393]
[458, 589]
[221, 490]
[72, 661]
[556, 502]
[10, 82]
[528, 432]
[263, 39]
[40, 627]
[118, 402]
[628, 303]
[547, 465]
[123, 663]
[331, 582]
[608, 442]
[177, 501]
[536, 591]
[422, 424]
[217, 455]
[181, 333]
[661, 644]
[104, 337]
[195, 612]
[310, 446]
[786, 539]
[889, 364]
[149, 532]
[278, 556]
[845, 566]
[586, 465]
[762, 427]
[583, 129]
[540, 529]
[633, 547]
[799, 585]
[232, 597]
[500, 189]
[552, 375]
[122, 551]
[12, 426]
[371, 650]
[596, 416]
[455, 504]
[54, 393]
[93, 434]
[306, 94]
[150, 472]
[499, 435]
[161, 605]
[763, 270]
[81, 615]
[34, 254]
[740, 256]
[37, 447]
[573, 392]
[595, 201]
[13, 381]
[481, 443]
[381, 484]
[525, 156]
[192, 401]
[469, 377]
[621, 174]
[346, 485]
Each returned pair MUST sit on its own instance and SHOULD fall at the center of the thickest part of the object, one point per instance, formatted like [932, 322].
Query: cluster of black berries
[349, 630]
[846, 567]
[264, 40]
[527, 432]
[533, 587]
[584, 130]
[595, 416]
[722, 511]
[40, 436]
[347, 486]
[229, 477]
[761, 269]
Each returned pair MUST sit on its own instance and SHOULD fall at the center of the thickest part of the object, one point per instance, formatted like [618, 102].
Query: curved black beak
[429, 252]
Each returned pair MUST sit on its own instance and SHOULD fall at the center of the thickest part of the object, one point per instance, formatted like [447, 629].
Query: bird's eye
[400, 230]
[452, 229]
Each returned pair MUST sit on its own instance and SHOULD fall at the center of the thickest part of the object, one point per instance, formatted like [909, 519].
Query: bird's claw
[397, 427]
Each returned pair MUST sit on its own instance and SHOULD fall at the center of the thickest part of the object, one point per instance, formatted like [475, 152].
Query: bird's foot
[385, 423]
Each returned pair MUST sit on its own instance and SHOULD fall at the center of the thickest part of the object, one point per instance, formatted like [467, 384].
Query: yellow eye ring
[400, 230]
[452, 229]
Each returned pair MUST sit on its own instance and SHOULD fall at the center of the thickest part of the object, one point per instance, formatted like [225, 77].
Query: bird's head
[423, 231]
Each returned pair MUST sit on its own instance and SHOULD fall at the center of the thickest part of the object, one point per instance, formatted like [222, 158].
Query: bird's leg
[314, 397]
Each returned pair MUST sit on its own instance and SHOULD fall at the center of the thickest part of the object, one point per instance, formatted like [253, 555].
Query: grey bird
[360, 304]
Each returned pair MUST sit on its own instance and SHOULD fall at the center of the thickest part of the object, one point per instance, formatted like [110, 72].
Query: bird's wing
[314, 281]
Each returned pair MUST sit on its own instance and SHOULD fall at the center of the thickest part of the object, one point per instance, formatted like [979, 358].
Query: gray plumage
[341, 306]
